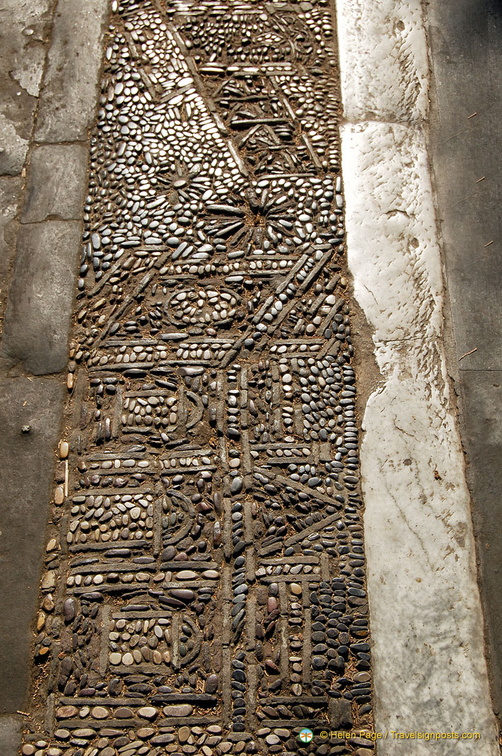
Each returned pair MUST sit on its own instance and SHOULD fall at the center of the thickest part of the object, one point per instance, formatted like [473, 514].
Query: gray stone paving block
[56, 183]
[13, 148]
[25, 29]
[24, 32]
[26, 472]
[482, 399]
[10, 735]
[39, 306]
[69, 90]
[467, 152]
[10, 187]
[466, 143]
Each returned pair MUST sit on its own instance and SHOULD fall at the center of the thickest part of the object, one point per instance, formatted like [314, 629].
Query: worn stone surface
[25, 29]
[25, 479]
[13, 147]
[466, 147]
[23, 39]
[56, 184]
[481, 398]
[421, 556]
[393, 33]
[466, 141]
[10, 732]
[66, 109]
[38, 314]
[10, 187]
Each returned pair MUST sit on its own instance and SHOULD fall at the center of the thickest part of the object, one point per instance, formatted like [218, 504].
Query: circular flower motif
[253, 221]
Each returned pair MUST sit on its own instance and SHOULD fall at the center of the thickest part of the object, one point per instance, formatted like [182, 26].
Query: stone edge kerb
[375, 117]
[15, 363]
[26, 346]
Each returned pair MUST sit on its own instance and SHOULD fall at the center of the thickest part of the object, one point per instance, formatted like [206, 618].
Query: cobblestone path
[204, 590]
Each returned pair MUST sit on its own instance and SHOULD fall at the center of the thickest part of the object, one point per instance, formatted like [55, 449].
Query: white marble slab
[429, 665]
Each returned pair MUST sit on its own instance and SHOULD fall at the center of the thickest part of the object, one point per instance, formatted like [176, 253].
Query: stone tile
[396, 36]
[40, 300]
[10, 735]
[422, 579]
[56, 183]
[10, 187]
[13, 147]
[68, 97]
[482, 396]
[468, 70]
[27, 468]
[22, 57]
[24, 36]
[466, 150]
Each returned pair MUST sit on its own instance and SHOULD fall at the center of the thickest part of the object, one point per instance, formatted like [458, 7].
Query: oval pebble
[99, 712]
[66, 712]
[211, 574]
[178, 710]
[184, 594]
[123, 712]
[186, 575]
[183, 734]
[147, 712]
[145, 732]
[272, 739]
[211, 685]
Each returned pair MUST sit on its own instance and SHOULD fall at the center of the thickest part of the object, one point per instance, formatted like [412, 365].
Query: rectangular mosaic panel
[204, 590]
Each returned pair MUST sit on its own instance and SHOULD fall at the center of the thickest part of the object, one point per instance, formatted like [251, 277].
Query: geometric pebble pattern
[204, 590]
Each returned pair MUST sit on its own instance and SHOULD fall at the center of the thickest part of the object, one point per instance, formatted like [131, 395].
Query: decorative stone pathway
[204, 590]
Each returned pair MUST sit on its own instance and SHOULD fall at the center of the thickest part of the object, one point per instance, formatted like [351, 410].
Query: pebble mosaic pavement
[204, 587]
